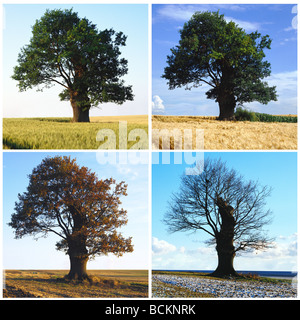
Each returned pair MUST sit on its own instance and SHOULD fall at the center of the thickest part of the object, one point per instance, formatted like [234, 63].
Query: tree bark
[77, 250]
[78, 258]
[227, 105]
[226, 98]
[78, 268]
[224, 240]
[80, 115]
[81, 107]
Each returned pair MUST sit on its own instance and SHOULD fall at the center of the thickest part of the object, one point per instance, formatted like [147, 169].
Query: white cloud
[161, 247]
[177, 12]
[157, 105]
[282, 257]
[184, 13]
[248, 26]
[194, 102]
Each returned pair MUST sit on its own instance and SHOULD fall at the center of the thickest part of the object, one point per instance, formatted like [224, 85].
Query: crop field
[222, 135]
[51, 284]
[61, 133]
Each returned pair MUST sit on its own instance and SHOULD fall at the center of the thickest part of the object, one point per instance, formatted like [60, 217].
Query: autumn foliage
[83, 211]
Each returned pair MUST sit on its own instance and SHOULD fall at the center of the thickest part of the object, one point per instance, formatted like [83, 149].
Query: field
[50, 284]
[178, 284]
[223, 135]
[61, 133]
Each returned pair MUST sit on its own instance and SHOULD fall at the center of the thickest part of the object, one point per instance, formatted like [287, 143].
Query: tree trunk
[224, 239]
[80, 115]
[226, 98]
[78, 268]
[77, 250]
[81, 107]
[226, 106]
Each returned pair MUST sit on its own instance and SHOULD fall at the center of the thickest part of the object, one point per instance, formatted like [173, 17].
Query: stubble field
[224, 135]
[61, 133]
[50, 284]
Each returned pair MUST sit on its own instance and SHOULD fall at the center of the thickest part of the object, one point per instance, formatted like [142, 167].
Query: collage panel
[226, 72]
[224, 225]
[75, 76]
[88, 212]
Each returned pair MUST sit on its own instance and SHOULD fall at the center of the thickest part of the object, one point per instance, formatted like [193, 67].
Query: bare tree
[229, 209]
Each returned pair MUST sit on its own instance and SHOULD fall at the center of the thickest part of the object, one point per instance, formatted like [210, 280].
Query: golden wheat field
[222, 135]
[51, 284]
[61, 133]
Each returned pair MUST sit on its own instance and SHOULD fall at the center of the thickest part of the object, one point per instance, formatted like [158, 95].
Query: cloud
[157, 105]
[161, 247]
[177, 12]
[248, 26]
[184, 13]
[284, 248]
[194, 102]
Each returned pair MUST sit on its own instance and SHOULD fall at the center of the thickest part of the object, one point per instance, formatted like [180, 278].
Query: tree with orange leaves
[71, 202]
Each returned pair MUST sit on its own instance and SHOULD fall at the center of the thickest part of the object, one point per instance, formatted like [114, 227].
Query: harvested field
[223, 135]
[51, 284]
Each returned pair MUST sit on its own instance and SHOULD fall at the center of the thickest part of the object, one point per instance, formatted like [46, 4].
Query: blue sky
[27, 253]
[276, 20]
[131, 19]
[184, 250]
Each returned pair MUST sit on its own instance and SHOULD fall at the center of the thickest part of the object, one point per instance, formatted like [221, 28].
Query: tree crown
[197, 205]
[70, 51]
[71, 202]
[222, 55]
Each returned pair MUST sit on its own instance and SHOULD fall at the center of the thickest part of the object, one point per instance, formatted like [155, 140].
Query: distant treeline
[245, 115]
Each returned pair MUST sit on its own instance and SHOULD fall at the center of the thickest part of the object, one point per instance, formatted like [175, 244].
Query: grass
[242, 114]
[61, 133]
[51, 284]
[223, 135]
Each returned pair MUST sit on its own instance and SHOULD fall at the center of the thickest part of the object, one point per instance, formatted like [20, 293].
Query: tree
[71, 202]
[221, 203]
[226, 58]
[70, 51]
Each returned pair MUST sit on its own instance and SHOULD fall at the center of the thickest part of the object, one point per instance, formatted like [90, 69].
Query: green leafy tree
[226, 58]
[71, 202]
[70, 51]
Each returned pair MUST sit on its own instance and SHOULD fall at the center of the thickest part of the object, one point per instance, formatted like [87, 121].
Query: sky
[279, 21]
[27, 253]
[187, 251]
[131, 19]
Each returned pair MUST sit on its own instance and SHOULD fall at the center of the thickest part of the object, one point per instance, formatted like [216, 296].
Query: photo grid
[149, 154]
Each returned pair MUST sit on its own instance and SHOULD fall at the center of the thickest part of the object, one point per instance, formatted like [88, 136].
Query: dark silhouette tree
[226, 58]
[71, 202]
[70, 51]
[229, 209]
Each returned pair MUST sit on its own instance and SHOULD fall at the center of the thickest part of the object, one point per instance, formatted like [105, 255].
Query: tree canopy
[82, 210]
[222, 55]
[229, 209]
[70, 51]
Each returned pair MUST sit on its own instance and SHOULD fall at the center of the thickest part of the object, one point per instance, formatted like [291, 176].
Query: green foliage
[242, 114]
[264, 117]
[245, 115]
[70, 51]
[222, 55]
